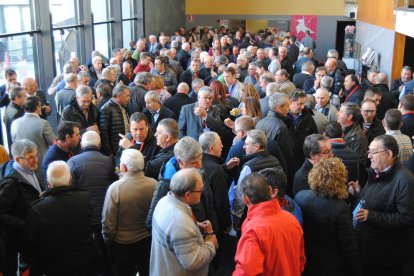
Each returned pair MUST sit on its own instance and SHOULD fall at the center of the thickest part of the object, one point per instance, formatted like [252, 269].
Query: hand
[124, 142]
[229, 123]
[353, 187]
[93, 128]
[205, 227]
[199, 111]
[401, 87]
[233, 162]
[362, 215]
[213, 239]
[341, 93]
[317, 83]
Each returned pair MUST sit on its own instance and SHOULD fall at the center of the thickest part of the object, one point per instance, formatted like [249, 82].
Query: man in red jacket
[272, 239]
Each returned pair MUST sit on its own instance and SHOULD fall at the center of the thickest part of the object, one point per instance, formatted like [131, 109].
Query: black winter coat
[217, 180]
[111, 123]
[84, 168]
[304, 128]
[275, 128]
[148, 149]
[153, 166]
[16, 196]
[384, 238]
[73, 113]
[60, 237]
[330, 240]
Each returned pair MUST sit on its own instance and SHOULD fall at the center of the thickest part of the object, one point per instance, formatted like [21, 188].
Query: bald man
[387, 99]
[30, 85]
[180, 99]
[336, 74]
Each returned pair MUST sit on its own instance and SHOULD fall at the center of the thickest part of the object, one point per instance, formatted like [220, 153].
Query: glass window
[127, 34]
[64, 13]
[19, 55]
[102, 38]
[17, 18]
[126, 9]
[65, 45]
[99, 10]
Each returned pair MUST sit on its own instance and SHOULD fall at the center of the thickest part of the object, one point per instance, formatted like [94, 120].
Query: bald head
[322, 97]
[330, 65]
[30, 85]
[381, 78]
[183, 88]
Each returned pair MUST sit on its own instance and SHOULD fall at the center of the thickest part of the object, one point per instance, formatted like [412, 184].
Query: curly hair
[328, 178]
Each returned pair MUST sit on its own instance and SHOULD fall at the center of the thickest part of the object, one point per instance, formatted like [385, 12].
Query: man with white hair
[84, 168]
[201, 116]
[307, 71]
[108, 76]
[152, 43]
[58, 224]
[322, 104]
[271, 87]
[212, 147]
[178, 246]
[155, 111]
[81, 110]
[20, 187]
[123, 216]
[183, 56]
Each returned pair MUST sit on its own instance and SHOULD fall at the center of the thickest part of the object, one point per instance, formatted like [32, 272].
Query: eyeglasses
[195, 191]
[249, 144]
[368, 111]
[375, 152]
[31, 158]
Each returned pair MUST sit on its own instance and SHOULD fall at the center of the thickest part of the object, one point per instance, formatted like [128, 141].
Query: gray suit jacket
[36, 129]
[192, 125]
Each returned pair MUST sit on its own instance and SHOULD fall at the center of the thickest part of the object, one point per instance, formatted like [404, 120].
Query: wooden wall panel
[266, 7]
[398, 59]
[378, 12]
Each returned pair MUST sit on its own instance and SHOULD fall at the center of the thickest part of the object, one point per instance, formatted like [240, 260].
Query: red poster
[301, 23]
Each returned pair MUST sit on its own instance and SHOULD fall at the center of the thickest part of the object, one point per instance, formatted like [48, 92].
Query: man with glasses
[257, 158]
[180, 244]
[369, 122]
[20, 186]
[387, 215]
[187, 154]
[315, 148]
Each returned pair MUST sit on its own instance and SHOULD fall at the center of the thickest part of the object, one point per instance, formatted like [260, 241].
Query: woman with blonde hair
[159, 87]
[251, 107]
[330, 241]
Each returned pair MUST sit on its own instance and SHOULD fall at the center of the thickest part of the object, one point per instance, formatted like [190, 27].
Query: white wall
[379, 39]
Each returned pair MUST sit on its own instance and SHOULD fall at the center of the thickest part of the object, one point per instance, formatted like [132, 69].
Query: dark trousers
[103, 263]
[128, 259]
[382, 270]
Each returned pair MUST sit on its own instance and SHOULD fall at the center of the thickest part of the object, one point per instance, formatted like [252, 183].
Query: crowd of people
[209, 153]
